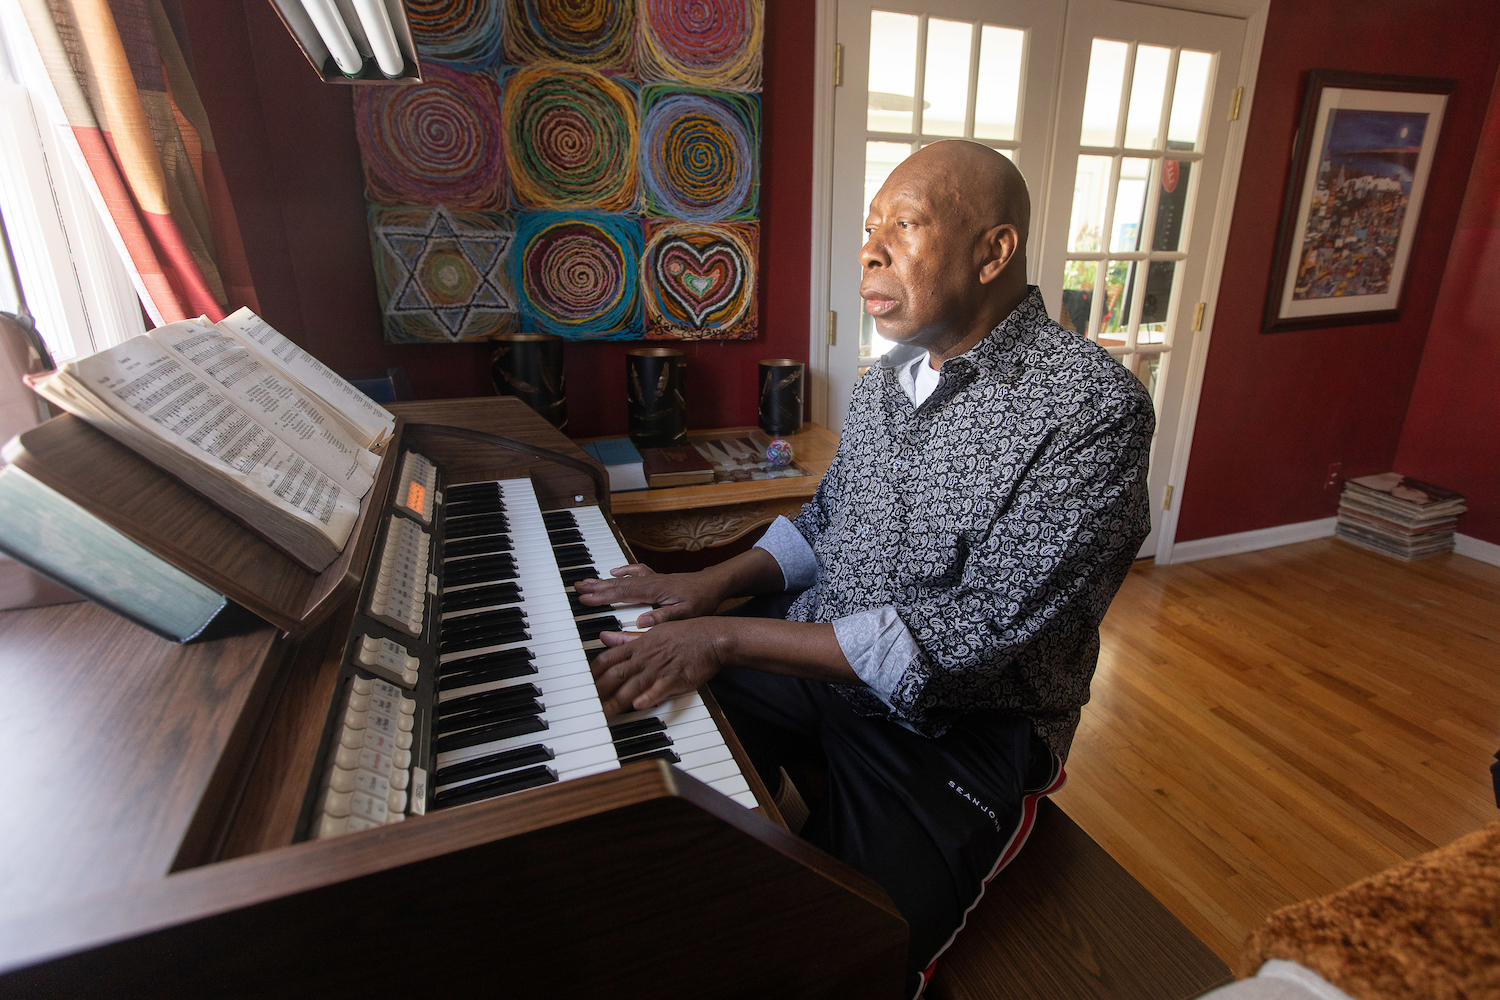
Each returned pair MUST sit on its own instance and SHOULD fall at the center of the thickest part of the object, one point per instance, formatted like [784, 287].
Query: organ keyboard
[273, 802]
[468, 675]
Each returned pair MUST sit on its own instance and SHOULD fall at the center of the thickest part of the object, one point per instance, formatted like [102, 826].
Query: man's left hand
[644, 669]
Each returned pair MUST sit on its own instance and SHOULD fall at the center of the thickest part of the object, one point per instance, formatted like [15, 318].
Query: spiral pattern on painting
[712, 43]
[432, 143]
[464, 34]
[700, 154]
[592, 33]
[699, 281]
[578, 274]
[571, 138]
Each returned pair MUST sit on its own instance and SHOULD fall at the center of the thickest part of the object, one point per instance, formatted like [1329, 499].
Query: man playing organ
[923, 635]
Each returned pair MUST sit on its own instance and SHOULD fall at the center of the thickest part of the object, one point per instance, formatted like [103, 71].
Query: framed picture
[1359, 171]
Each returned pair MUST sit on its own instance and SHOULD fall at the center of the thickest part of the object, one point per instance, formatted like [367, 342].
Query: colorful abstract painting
[588, 168]
[699, 278]
[578, 274]
[442, 275]
[700, 154]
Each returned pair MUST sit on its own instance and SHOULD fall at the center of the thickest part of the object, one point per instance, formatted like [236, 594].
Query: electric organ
[410, 783]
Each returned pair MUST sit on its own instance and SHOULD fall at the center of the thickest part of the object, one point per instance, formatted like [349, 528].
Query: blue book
[621, 461]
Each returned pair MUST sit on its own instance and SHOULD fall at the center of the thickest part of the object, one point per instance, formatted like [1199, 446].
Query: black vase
[781, 396]
[655, 391]
[529, 366]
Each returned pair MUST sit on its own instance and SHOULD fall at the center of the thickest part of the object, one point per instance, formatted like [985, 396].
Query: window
[75, 283]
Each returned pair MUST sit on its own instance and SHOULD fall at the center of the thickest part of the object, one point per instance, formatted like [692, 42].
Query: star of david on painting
[448, 278]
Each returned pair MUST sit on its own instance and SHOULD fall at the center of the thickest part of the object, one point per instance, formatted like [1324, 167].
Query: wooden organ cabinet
[159, 835]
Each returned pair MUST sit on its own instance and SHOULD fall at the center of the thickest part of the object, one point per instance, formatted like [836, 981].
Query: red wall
[287, 144]
[1452, 432]
[1277, 409]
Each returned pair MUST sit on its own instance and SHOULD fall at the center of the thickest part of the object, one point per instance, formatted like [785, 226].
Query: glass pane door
[1141, 131]
[913, 75]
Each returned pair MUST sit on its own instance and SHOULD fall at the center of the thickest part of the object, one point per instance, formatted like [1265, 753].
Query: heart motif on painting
[701, 280]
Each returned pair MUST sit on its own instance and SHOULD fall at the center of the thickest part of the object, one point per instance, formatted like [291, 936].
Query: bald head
[944, 258]
[975, 183]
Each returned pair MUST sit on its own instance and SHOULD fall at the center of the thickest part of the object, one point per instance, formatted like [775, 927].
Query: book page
[156, 391]
[300, 421]
[371, 423]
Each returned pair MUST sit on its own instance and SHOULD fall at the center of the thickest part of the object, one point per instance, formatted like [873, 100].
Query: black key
[478, 574]
[592, 653]
[481, 545]
[480, 597]
[477, 564]
[572, 576]
[515, 781]
[495, 763]
[474, 640]
[641, 744]
[469, 527]
[579, 608]
[485, 699]
[589, 628]
[496, 671]
[572, 555]
[559, 519]
[485, 717]
[513, 615]
[466, 508]
[489, 734]
[627, 730]
[669, 756]
[472, 491]
[565, 536]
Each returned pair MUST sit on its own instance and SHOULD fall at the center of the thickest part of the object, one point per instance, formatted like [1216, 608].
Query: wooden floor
[1272, 726]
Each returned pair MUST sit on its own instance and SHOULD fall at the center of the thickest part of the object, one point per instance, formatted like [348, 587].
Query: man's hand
[644, 669]
[677, 595]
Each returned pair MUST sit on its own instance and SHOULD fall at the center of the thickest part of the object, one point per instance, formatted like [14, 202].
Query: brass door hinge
[1198, 316]
[1234, 104]
[833, 328]
[1166, 499]
[838, 64]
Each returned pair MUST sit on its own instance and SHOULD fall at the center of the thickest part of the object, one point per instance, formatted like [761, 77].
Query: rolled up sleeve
[799, 567]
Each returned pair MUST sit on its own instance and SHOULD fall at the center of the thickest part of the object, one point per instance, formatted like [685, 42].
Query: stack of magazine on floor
[1398, 515]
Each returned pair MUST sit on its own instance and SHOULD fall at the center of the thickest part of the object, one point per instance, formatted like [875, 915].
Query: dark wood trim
[696, 897]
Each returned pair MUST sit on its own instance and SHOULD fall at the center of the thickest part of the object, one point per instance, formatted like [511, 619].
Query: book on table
[677, 466]
[621, 461]
[243, 416]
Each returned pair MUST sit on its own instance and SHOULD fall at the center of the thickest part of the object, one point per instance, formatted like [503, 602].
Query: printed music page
[142, 394]
[370, 423]
[300, 421]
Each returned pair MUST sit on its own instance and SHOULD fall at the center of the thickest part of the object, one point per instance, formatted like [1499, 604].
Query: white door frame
[1253, 12]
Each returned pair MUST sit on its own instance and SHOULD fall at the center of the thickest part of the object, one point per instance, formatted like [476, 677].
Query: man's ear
[1000, 246]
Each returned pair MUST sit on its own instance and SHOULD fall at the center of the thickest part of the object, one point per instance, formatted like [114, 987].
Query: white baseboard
[1477, 548]
[1262, 538]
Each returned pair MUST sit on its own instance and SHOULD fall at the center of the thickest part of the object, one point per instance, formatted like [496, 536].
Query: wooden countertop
[813, 448]
[119, 747]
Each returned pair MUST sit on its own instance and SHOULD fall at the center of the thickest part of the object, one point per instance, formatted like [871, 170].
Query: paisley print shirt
[990, 527]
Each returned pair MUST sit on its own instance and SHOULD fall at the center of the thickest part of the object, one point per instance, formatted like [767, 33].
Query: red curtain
[130, 102]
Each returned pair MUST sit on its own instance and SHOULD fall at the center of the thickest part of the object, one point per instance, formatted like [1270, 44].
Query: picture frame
[1360, 166]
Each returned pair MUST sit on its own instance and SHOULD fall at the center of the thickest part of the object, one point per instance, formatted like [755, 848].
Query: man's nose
[873, 254]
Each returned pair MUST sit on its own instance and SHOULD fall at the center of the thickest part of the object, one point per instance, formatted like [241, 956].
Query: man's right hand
[677, 595]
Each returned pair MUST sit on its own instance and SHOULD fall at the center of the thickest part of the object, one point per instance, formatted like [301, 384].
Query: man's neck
[992, 316]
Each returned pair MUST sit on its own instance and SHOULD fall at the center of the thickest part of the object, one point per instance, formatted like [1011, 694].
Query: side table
[693, 518]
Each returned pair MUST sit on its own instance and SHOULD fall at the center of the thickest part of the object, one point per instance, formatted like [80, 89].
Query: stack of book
[1398, 516]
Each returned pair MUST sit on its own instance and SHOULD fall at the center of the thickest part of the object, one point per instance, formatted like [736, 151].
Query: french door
[1117, 115]
[916, 73]
[1142, 127]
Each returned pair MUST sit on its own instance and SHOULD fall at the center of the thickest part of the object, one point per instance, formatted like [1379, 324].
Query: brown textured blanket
[1428, 928]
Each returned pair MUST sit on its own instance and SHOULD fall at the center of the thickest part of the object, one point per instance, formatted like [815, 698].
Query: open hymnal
[243, 416]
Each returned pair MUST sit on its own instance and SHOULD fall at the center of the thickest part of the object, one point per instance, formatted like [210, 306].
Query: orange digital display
[416, 496]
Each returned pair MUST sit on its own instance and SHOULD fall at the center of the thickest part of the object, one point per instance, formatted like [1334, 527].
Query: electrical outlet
[1331, 480]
